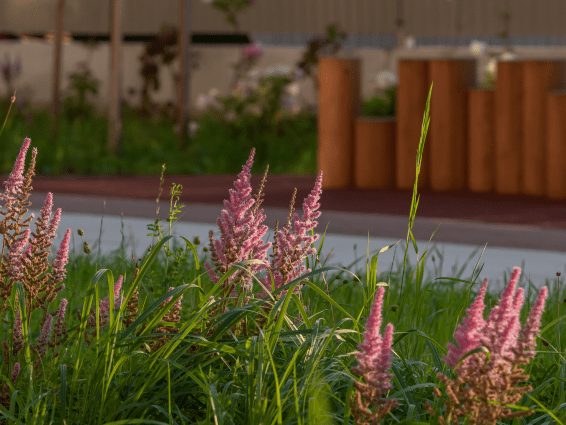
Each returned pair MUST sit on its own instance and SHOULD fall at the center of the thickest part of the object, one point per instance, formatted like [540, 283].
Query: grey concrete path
[542, 250]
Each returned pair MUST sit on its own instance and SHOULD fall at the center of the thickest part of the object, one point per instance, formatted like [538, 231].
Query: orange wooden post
[481, 140]
[540, 76]
[448, 122]
[374, 152]
[338, 105]
[412, 93]
[508, 127]
[556, 145]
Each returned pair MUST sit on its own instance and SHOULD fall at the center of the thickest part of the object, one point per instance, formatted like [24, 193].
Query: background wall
[441, 18]
[215, 67]
[283, 28]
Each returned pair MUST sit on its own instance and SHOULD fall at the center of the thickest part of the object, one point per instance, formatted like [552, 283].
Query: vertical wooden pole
[481, 140]
[556, 144]
[509, 128]
[57, 63]
[338, 106]
[539, 77]
[114, 104]
[448, 128]
[374, 152]
[412, 92]
[183, 81]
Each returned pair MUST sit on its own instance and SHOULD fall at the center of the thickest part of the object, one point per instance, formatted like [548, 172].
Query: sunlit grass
[292, 368]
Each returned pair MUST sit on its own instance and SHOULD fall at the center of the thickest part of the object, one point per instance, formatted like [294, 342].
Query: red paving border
[278, 190]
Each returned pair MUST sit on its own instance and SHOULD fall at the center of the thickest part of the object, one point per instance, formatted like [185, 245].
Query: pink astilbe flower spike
[60, 328]
[241, 233]
[15, 257]
[526, 343]
[54, 222]
[374, 359]
[293, 247]
[18, 333]
[494, 378]
[15, 373]
[44, 336]
[14, 182]
[468, 334]
[58, 269]
[374, 352]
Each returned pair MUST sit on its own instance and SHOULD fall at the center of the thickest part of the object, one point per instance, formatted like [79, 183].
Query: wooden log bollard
[374, 152]
[539, 77]
[509, 127]
[556, 145]
[448, 123]
[338, 105]
[412, 94]
[481, 140]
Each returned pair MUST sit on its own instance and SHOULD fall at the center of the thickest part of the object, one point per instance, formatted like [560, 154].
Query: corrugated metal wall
[423, 18]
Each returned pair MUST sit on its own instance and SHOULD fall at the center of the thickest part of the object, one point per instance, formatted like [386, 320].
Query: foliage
[163, 50]
[10, 71]
[288, 145]
[318, 46]
[379, 107]
[77, 104]
[231, 8]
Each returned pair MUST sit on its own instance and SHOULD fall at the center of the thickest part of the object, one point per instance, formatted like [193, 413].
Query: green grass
[291, 373]
[288, 145]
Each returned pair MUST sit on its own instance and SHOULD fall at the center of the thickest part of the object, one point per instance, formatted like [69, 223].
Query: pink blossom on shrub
[253, 52]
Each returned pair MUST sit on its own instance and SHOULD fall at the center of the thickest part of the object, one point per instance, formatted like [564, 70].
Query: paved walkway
[516, 229]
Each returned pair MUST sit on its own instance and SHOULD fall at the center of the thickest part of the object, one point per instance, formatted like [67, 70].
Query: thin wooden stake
[184, 42]
[114, 104]
[400, 24]
[57, 63]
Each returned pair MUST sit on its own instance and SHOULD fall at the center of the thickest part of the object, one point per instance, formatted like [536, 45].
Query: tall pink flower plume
[526, 343]
[238, 225]
[501, 334]
[15, 373]
[467, 334]
[293, 247]
[58, 269]
[15, 257]
[14, 182]
[44, 336]
[60, 324]
[18, 331]
[374, 355]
